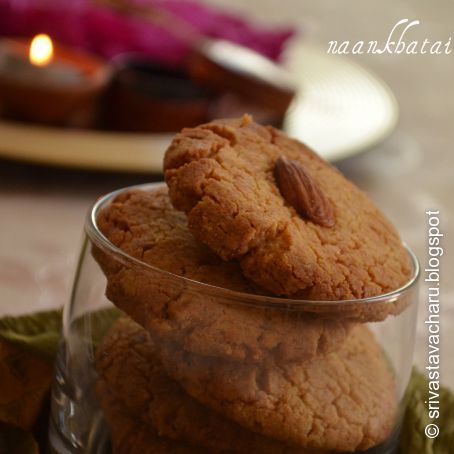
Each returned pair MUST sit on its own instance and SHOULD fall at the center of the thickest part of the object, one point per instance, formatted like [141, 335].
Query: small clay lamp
[145, 96]
[224, 66]
[49, 83]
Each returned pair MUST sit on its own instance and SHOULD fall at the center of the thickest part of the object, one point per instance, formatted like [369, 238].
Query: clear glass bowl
[236, 359]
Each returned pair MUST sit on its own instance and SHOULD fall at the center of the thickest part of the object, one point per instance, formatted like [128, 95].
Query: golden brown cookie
[25, 380]
[343, 401]
[130, 436]
[200, 319]
[132, 379]
[325, 240]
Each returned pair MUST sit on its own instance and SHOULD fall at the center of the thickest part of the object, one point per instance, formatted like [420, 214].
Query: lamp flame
[41, 50]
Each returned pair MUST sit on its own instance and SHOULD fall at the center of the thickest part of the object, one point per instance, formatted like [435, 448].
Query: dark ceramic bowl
[144, 96]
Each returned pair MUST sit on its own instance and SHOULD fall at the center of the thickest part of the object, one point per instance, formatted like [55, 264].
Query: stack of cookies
[243, 282]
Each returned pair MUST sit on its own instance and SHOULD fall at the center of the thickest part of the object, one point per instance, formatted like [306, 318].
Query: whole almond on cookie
[301, 191]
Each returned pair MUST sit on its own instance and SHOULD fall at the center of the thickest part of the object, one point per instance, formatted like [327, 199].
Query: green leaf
[444, 444]
[16, 441]
[413, 438]
[38, 332]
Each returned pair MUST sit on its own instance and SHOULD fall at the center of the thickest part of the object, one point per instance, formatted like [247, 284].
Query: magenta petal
[102, 31]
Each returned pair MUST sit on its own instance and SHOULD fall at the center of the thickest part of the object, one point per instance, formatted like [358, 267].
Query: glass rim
[95, 235]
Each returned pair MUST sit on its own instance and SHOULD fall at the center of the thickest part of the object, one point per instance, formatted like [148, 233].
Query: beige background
[42, 210]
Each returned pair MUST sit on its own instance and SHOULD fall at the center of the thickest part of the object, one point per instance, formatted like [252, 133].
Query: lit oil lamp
[49, 83]
[41, 50]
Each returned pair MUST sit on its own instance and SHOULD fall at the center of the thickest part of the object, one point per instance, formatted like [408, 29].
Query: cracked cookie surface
[130, 436]
[132, 381]
[221, 174]
[145, 226]
[343, 401]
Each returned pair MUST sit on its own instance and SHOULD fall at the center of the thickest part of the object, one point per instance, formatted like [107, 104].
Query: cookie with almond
[297, 226]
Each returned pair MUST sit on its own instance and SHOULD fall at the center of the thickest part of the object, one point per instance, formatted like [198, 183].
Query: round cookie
[131, 378]
[223, 176]
[130, 436]
[145, 226]
[343, 401]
